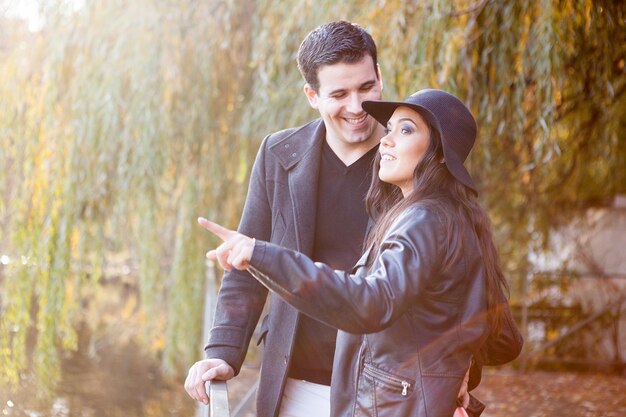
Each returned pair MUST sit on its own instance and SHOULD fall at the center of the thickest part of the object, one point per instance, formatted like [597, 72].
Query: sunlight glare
[30, 11]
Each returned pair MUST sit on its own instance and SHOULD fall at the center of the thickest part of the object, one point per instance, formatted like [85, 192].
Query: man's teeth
[355, 120]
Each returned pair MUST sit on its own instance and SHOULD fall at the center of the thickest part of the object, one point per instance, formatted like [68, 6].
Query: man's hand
[463, 396]
[203, 371]
[236, 251]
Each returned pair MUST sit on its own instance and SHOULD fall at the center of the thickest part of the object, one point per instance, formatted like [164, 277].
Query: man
[307, 192]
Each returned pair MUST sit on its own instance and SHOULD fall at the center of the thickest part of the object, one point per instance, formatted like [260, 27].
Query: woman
[426, 294]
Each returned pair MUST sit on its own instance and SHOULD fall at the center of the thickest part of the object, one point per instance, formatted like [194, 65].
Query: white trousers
[305, 399]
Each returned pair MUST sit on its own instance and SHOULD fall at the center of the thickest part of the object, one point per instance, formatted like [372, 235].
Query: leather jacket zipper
[405, 385]
[388, 379]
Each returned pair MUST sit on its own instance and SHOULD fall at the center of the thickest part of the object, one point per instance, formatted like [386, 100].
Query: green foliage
[121, 122]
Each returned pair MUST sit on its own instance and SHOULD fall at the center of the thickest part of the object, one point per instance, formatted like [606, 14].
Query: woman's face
[403, 146]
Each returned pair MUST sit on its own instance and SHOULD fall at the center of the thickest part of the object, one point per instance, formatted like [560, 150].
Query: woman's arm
[353, 303]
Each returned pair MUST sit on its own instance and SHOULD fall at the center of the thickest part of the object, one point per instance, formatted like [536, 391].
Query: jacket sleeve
[356, 303]
[241, 298]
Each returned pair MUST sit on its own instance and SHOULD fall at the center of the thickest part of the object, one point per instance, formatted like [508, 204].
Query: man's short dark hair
[333, 43]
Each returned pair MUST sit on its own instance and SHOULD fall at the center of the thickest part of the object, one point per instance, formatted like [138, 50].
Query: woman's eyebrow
[406, 119]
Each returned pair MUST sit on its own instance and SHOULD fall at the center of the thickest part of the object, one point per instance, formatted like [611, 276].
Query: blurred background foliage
[121, 122]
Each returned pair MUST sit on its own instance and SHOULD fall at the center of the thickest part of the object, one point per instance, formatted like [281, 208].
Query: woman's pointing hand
[235, 252]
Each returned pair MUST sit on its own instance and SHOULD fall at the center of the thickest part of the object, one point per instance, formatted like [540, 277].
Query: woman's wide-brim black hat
[448, 114]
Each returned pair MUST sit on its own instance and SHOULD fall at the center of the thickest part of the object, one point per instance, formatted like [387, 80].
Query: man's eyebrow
[343, 90]
[337, 91]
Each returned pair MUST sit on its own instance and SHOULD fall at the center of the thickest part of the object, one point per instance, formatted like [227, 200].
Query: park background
[121, 122]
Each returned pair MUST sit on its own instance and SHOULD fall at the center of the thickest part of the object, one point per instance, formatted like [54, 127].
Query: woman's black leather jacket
[408, 328]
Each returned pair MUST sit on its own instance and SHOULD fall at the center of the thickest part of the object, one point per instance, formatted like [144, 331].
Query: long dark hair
[457, 205]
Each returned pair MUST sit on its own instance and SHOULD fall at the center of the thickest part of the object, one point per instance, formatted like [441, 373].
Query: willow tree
[123, 121]
[119, 129]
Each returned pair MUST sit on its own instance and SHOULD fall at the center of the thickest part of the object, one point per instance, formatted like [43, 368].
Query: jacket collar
[294, 147]
[300, 153]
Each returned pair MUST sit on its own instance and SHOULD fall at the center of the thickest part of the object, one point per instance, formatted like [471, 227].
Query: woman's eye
[405, 130]
[387, 131]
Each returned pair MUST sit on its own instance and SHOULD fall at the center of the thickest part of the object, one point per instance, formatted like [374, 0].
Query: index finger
[220, 231]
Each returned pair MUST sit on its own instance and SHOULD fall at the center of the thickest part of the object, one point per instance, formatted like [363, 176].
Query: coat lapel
[300, 154]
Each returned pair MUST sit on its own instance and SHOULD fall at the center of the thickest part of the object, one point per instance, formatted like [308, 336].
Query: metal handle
[218, 399]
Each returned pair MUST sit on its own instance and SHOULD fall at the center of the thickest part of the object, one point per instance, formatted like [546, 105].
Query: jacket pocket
[387, 382]
[279, 228]
[383, 394]
[264, 329]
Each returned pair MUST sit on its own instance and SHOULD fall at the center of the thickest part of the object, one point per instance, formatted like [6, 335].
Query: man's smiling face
[342, 89]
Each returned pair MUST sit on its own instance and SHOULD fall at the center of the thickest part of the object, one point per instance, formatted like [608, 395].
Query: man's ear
[380, 77]
[311, 95]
